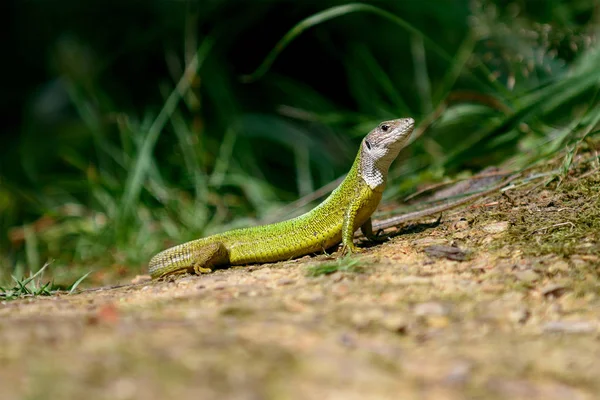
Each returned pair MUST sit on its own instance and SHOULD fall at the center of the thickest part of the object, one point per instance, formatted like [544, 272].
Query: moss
[565, 223]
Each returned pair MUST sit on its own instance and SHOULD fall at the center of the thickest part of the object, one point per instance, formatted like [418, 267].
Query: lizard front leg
[208, 256]
[348, 227]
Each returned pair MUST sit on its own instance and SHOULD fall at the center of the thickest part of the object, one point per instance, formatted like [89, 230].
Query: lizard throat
[374, 171]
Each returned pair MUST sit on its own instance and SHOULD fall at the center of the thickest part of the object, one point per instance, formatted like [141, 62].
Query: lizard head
[380, 147]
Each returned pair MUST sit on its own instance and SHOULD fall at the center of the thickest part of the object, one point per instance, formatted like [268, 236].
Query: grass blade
[77, 282]
[135, 180]
[342, 10]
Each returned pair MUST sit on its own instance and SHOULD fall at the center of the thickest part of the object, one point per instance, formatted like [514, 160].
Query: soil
[500, 299]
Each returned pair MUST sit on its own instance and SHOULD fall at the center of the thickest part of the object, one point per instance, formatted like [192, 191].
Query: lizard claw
[349, 249]
[380, 237]
[202, 270]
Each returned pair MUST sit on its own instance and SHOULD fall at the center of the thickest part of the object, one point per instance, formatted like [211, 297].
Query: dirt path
[518, 317]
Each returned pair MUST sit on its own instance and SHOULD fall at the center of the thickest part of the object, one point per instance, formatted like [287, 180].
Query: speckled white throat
[380, 148]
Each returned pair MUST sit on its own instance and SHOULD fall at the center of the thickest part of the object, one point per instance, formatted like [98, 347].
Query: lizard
[335, 220]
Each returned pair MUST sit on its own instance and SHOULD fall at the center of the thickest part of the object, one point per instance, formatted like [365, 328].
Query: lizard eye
[368, 144]
[385, 128]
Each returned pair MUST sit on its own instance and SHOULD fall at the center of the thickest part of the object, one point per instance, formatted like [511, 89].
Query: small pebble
[527, 276]
[437, 321]
[460, 235]
[554, 290]
[561, 266]
[363, 319]
[449, 252]
[431, 309]
[570, 327]
[520, 315]
[347, 340]
[395, 323]
[459, 373]
[496, 227]
[461, 225]
[310, 297]
[286, 281]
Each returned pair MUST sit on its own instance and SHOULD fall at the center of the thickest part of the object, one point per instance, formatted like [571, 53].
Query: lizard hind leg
[209, 256]
[367, 231]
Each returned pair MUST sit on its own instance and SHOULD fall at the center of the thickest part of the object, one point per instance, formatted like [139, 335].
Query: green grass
[345, 264]
[35, 286]
[216, 136]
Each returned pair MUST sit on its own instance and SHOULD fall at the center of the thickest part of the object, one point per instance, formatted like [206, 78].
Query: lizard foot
[349, 249]
[202, 270]
[379, 237]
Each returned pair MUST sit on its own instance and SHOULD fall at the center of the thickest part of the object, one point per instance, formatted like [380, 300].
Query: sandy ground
[480, 306]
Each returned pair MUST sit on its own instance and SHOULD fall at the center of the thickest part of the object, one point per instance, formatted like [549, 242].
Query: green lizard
[336, 219]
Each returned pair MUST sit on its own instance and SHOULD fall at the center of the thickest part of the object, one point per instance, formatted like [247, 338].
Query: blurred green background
[129, 126]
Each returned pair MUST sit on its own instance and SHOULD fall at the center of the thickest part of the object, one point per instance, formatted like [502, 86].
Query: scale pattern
[333, 221]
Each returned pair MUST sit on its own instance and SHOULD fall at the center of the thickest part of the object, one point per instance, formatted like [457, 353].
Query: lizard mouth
[405, 126]
[401, 132]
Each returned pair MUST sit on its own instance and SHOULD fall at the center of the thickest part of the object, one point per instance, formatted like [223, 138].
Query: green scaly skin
[333, 221]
